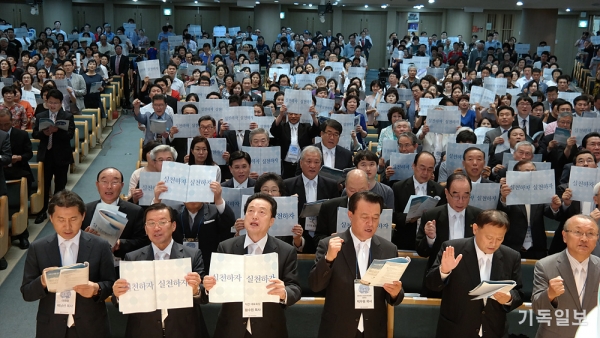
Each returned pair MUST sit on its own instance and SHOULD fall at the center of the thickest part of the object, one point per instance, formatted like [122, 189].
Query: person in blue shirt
[163, 39]
[351, 103]
[468, 117]
[107, 31]
[206, 56]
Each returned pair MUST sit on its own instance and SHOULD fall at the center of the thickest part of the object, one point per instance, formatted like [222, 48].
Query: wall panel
[356, 21]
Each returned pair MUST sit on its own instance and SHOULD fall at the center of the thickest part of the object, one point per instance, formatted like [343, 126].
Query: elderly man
[310, 187]
[259, 137]
[344, 258]
[407, 144]
[590, 142]
[163, 121]
[566, 280]
[523, 150]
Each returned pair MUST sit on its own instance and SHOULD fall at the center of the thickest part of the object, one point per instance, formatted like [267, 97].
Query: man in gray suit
[77, 85]
[567, 281]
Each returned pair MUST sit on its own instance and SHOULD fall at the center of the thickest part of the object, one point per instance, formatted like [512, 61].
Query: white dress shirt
[236, 184]
[420, 188]
[62, 244]
[362, 250]
[579, 274]
[162, 254]
[328, 156]
[457, 223]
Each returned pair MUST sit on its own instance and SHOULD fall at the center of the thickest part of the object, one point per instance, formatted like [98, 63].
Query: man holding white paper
[461, 265]
[351, 308]
[85, 313]
[186, 322]
[260, 211]
[157, 123]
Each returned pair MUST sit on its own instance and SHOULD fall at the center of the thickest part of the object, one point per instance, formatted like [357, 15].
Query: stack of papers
[109, 223]
[488, 288]
[382, 271]
[417, 205]
[66, 277]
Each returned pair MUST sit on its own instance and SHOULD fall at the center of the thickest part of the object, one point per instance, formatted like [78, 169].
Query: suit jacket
[326, 189]
[406, 233]
[442, 227]
[229, 183]
[133, 236]
[209, 227]
[123, 64]
[180, 145]
[535, 124]
[272, 324]
[459, 315]
[232, 144]
[340, 318]
[20, 144]
[559, 265]
[61, 139]
[517, 215]
[496, 159]
[185, 322]
[283, 133]
[91, 318]
[327, 219]
[555, 155]
[5, 159]
[490, 136]
[80, 89]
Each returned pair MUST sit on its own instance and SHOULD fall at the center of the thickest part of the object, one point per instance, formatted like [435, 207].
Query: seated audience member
[463, 136]
[590, 142]
[180, 143]
[154, 160]
[421, 183]
[485, 258]
[334, 156]
[68, 246]
[240, 166]
[388, 133]
[260, 210]
[259, 137]
[201, 154]
[524, 150]
[407, 144]
[184, 322]
[554, 152]
[527, 233]
[159, 105]
[506, 116]
[109, 183]
[310, 187]
[529, 123]
[366, 161]
[344, 258]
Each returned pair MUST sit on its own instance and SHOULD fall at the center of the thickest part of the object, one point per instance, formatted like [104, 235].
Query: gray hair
[257, 131]
[160, 149]
[401, 121]
[311, 150]
[527, 144]
[412, 66]
[412, 137]
[564, 114]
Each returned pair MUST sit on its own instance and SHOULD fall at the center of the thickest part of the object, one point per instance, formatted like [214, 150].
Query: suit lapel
[270, 246]
[469, 220]
[430, 189]
[411, 186]
[85, 248]
[444, 232]
[564, 267]
[53, 252]
[301, 192]
[349, 253]
[238, 246]
[497, 266]
[176, 251]
[471, 262]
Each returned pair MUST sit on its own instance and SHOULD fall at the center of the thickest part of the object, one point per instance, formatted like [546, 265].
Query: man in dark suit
[356, 181]
[55, 147]
[68, 246]
[446, 222]
[334, 156]
[343, 259]
[184, 322]
[524, 151]
[310, 187]
[523, 119]
[506, 117]
[567, 281]
[483, 258]
[260, 211]
[554, 152]
[527, 233]
[474, 163]
[235, 138]
[589, 142]
[119, 63]
[420, 184]
[293, 136]
[109, 183]
[240, 165]
[5, 159]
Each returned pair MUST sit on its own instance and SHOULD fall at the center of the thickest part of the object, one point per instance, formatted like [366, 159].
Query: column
[266, 18]
[109, 15]
[391, 24]
[224, 17]
[337, 23]
[53, 10]
[458, 22]
[538, 25]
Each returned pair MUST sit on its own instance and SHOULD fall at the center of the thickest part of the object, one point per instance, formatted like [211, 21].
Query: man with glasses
[184, 322]
[77, 85]
[421, 183]
[566, 280]
[407, 144]
[529, 123]
[159, 105]
[334, 156]
[54, 149]
[590, 142]
[527, 234]
[453, 220]
[109, 183]
[506, 117]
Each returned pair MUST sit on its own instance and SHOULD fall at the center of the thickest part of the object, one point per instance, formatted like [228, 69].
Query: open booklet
[382, 271]
[488, 288]
[109, 222]
[417, 205]
[66, 277]
[60, 124]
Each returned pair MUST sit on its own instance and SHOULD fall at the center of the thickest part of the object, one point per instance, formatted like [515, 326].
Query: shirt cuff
[430, 241]
[220, 207]
[444, 275]
[298, 248]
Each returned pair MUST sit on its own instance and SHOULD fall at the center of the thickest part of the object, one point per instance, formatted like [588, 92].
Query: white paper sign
[219, 31]
[531, 187]
[425, 104]
[421, 62]
[522, 48]
[203, 91]
[233, 198]
[188, 183]
[443, 121]
[238, 118]
[265, 159]
[482, 96]
[347, 122]
[485, 195]
[280, 69]
[324, 106]
[148, 181]
[384, 108]
[187, 125]
[195, 30]
[582, 182]
[217, 147]
[298, 101]
[212, 108]
[304, 79]
[287, 216]
[402, 165]
[358, 72]
[455, 151]
[583, 126]
[495, 85]
[389, 147]
[337, 67]
[150, 68]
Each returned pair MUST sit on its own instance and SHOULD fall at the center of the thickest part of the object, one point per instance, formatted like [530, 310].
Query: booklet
[488, 288]
[188, 183]
[311, 209]
[382, 271]
[109, 223]
[158, 126]
[60, 124]
[417, 205]
[66, 277]
[95, 87]
[332, 173]
[561, 135]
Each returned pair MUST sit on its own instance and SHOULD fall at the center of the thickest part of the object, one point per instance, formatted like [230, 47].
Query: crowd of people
[464, 244]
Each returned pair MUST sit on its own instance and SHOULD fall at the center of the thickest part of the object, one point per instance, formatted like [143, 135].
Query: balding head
[356, 180]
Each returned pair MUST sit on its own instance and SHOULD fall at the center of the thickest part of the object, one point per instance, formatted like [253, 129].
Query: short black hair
[493, 217]
[458, 177]
[587, 137]
[207, 118]
[103, 170]
[332, 124]
[189, 105]
[66, 199]
[365, 155]
[239, 155]
[466, 136]
[265, 197]
[266, 177]
[158, 207]
[471, 149]
[367, 196]
[53, 93]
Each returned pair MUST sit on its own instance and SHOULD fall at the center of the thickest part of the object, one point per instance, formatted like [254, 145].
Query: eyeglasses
[334, 135]
[458, 198]
[580, 234]
[207, 127]
[160, 224]
[163, 159]
[106, 184]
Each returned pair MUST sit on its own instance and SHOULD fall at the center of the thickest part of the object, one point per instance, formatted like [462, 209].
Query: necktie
[362, 260]
[294, 135]
[117, 60]
[163, 312]
[525, 126]
[253, 249]
[311, 195]
[329, 160]
[240, 139]
[484, 267]
[53, 118]
[527, 243]
[580, 282]
[69, 259]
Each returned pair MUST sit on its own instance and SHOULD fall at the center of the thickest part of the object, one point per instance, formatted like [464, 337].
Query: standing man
[523, 119]
[260, 211]
[119, 63]
[568, 280]
[55, 147]
[334, 155]
[77, 85]
[68, 246]
[163, 39]
[159, 105]
[184, 322]
[506, 117]
[484, 258]
[338, 266]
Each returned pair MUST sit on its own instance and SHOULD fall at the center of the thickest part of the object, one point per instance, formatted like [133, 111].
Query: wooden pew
[83, 139]
[36, 199]
[91, 128]
[17, 205]
[4, 233]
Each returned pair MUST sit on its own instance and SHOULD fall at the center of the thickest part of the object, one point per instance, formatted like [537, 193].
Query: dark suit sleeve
[423, 248]
[107, 272]
[6, 153]
[517, 291]
[399, 217]
[226, 221]
[289, 276]
[488, 139]
[31, 286]
[276, 129]
[139, 238]
[37, 133]
[27, 152]
[323, 220]
[320, 274]
[198, 267]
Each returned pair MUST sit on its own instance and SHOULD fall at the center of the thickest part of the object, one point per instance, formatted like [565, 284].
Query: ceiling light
[366, 6]
[295, 3]
[418, 6]
[335, 3]
[196, 1]
[258, 2]
[384, 6]
[309, 5]
[164, 0]
[276, 1]
[134, 0]
[519, 3]
[431, 1]
[568, 9]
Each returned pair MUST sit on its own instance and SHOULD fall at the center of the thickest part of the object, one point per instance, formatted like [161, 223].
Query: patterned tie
[117, 60]
[53, 118]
